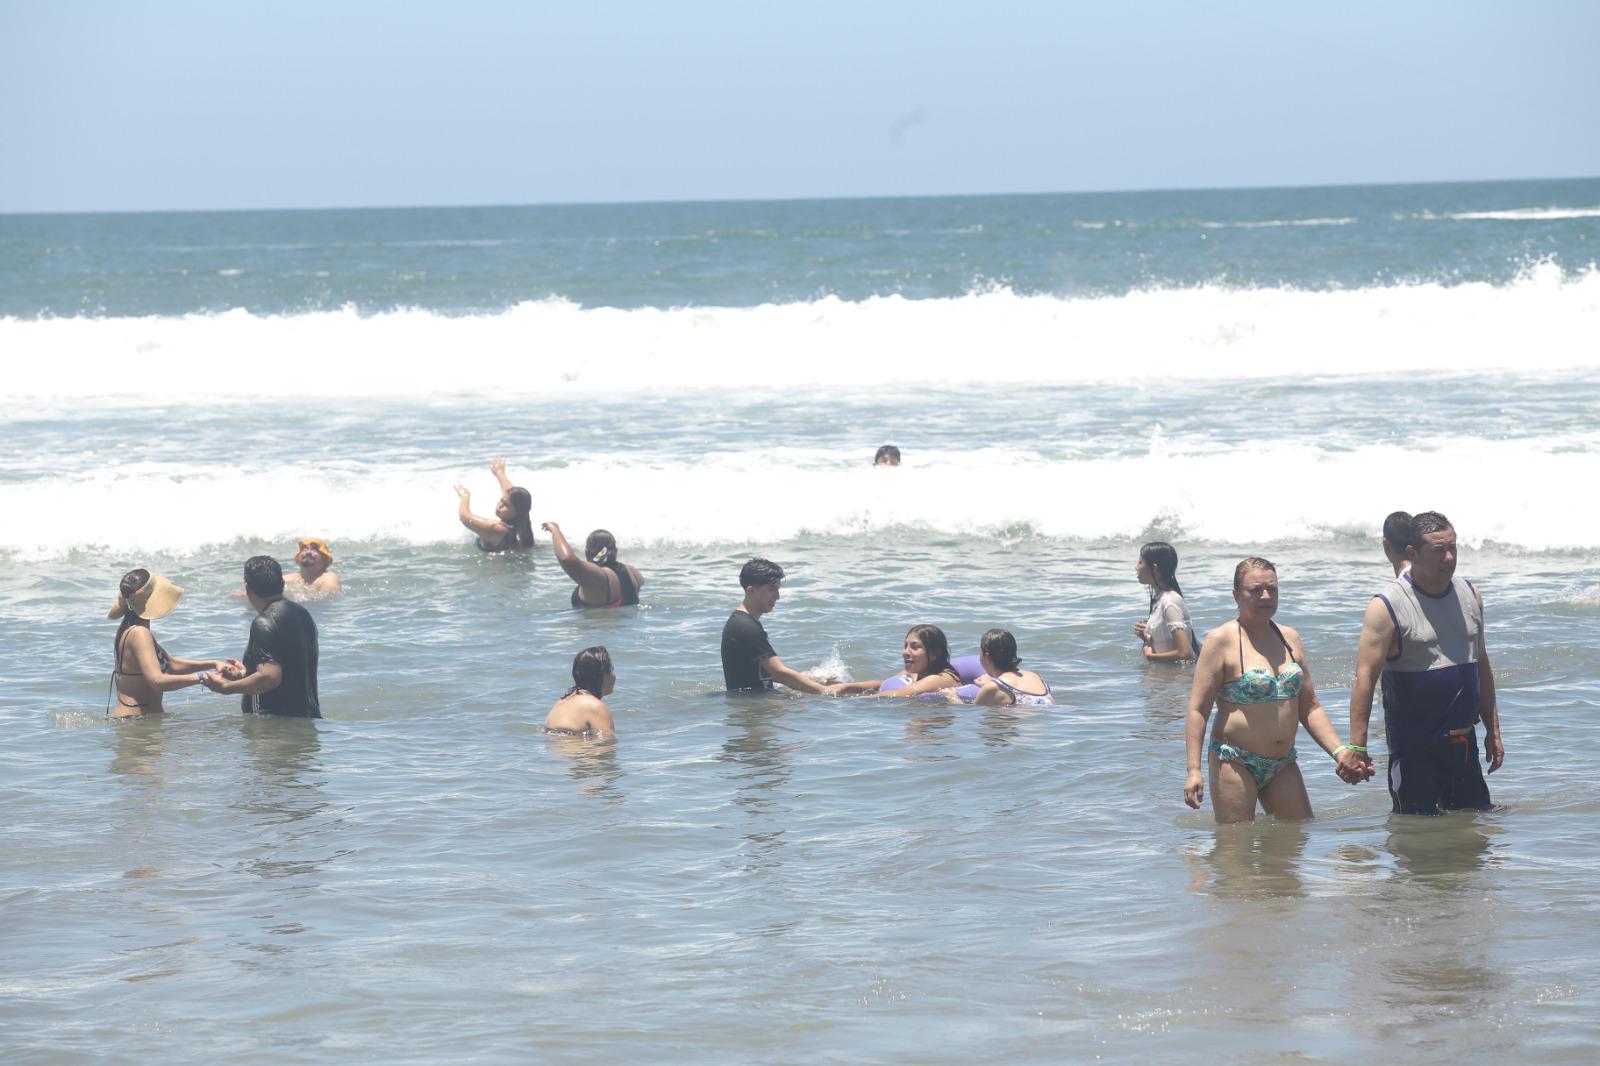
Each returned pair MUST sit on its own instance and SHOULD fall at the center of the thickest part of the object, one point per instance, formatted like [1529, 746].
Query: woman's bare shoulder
[1292, 635]
[574, 711]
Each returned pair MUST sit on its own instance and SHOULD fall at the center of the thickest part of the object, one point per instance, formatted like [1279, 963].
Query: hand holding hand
[1194, 789]
[1352, 766]
[210, 681]
[233, 670]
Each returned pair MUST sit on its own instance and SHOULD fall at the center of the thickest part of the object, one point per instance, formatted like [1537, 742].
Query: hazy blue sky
[158, 105]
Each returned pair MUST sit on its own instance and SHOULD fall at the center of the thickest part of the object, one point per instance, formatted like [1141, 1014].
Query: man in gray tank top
[1424, 635]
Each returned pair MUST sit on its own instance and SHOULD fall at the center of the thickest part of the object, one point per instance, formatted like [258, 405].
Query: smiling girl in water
[926, 656]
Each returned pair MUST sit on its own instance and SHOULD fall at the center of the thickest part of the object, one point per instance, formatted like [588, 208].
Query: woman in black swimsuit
[143, 670]
[602, 580]
[510, 530]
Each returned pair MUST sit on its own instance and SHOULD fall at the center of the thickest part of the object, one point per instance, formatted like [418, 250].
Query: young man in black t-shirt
[748, 662]
[279, 672]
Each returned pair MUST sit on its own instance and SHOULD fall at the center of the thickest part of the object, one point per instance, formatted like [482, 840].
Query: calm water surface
[424, 874]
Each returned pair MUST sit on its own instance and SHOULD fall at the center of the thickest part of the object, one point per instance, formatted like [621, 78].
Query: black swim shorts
[1437, 776]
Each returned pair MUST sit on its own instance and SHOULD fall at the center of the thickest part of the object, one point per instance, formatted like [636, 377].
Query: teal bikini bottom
[1262, 767]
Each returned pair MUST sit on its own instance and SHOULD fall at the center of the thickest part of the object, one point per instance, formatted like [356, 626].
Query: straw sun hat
[155, 599]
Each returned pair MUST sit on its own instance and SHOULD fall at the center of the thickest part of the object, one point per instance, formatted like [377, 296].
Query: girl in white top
[1168, 634]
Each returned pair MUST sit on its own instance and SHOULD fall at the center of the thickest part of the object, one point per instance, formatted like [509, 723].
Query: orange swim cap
[316, 544]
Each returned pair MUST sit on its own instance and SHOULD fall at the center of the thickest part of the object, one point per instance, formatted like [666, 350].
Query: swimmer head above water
[761, 580]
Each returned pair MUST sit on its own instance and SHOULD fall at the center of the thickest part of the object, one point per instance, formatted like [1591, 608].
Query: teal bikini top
[1260, 685]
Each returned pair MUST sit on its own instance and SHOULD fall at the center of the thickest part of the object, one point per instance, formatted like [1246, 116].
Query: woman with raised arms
[510, 530]
[602, 579]
[1256, 674]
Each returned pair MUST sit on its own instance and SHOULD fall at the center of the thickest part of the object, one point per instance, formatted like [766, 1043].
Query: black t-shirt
[285, 634]
[744, 649]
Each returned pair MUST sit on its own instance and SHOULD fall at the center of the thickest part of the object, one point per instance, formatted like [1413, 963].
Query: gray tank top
[1433, 631]
[1430, 683]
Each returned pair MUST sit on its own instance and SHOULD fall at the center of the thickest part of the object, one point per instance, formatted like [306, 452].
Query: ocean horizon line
[731, 201]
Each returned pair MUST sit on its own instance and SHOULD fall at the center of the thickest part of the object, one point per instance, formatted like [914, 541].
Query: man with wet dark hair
[279, 673]
[1423, 634]
[748, 662]
[1396, 534]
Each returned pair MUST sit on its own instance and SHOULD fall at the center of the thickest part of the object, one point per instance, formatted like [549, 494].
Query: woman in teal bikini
[1255, 672]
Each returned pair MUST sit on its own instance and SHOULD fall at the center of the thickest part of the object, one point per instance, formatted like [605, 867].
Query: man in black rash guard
[748, 662]
[279, 672]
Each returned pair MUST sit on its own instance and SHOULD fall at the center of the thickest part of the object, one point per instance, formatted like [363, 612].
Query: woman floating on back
[510, 530]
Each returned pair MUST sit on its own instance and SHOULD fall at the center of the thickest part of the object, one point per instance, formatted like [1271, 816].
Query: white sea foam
[1588, 596]
[1516, 493]
[1547, 319]
[1273, 223]
[1524, 214]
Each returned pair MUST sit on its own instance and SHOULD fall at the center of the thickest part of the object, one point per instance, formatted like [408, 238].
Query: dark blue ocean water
[474, 260]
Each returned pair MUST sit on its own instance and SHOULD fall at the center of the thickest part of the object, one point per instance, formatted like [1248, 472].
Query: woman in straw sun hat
[143, 670]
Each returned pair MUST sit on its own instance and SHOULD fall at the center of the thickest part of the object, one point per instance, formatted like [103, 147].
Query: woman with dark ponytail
[1004, 683]
[1168, 634]
[142, 670]
[583, 711]
[511, 528]
[603, 580]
